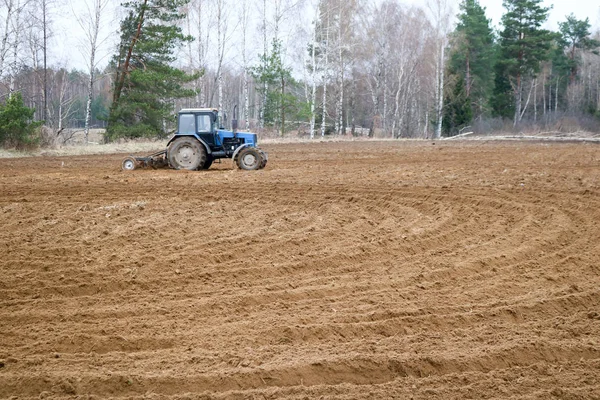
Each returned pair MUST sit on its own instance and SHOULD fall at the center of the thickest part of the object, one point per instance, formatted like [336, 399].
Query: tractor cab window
[204, 123]
[186, 124]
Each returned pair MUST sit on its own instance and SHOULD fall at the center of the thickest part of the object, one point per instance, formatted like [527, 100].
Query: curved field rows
[341, 271]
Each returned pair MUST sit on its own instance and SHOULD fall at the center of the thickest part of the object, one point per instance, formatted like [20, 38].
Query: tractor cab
[199, 122]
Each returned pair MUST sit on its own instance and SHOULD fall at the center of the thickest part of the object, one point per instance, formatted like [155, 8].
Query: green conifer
[472, 56]
[146, 83]
[523, 46]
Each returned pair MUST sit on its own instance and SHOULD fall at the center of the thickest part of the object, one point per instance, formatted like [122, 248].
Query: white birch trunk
[441, 14]
[5, 34]
[544, 92]
[325, 69]
[338, 111]
[397, 120]
[527, 101]
[65, 104]
[598, 94]
[518, 100]
[191, 58]
[219, 50]
[342, 46]
[202, 45]
[550, 96]
[440, 99]
[16, 33]
[340, 101]
[375, 94]
[92, 34]
[245, 65]
[556, 97]
[61, 104]
[419, 107]
[265, 49]
[314, 73]
[426, 128]
[45, 49]
[385, 99]
[221, 32]
[535, 102]
[352, 105]
[396, 111]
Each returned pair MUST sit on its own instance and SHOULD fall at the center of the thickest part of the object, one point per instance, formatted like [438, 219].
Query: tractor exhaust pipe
[234, 121]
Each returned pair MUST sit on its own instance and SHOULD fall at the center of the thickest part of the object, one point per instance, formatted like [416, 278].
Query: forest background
[308, 68]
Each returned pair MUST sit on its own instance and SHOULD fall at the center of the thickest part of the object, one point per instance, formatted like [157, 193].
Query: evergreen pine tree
[523, 46]
[503, 98]
[145, 81]
[458, 111]
[575, 35]
[559, 76]
[17, 128]
[275, 78]
[472, 57]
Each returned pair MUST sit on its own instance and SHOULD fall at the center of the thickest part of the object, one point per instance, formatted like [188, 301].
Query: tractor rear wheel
[186, 153]
[249, 159]
[208, 162]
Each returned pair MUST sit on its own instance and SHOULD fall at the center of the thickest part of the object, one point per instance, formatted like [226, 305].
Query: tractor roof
[194, 110]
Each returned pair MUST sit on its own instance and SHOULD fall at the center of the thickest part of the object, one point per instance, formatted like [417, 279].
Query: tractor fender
[237, 151]
[206, 146]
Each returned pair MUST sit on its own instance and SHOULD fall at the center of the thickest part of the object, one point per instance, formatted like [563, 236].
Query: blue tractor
[200, 140]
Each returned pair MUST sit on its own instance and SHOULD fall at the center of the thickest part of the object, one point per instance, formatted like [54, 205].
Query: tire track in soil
[437, 273]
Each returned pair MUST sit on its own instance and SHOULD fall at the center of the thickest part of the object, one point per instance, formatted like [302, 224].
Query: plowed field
[341, 271]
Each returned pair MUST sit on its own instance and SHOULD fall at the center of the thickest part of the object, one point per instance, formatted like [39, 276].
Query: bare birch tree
[375, 51]
[221, 43]
[313, 60]
[265, 56]
[345, 15]
[245, 66]
[90, 23]
[325, 50]
[17, 29]
[408, 43]
[200, 20]
[44, 6]
[62, 103]
[4, 45]
[440, 12]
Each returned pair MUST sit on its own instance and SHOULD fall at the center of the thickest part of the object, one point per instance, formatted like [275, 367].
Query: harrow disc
[129, 164]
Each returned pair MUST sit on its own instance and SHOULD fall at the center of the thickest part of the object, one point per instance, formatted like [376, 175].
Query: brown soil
[341, 271]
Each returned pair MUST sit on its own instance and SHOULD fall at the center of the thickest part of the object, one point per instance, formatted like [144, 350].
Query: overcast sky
[67, 38]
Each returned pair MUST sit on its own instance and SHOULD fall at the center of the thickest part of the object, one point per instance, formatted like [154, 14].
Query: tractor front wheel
[186, 153]
[249, 159]
[264, 159]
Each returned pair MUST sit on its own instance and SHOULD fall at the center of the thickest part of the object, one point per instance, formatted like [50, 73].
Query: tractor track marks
[354, 370]
[342, 270]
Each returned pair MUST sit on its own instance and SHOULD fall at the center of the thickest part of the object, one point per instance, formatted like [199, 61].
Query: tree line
[326, 67]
